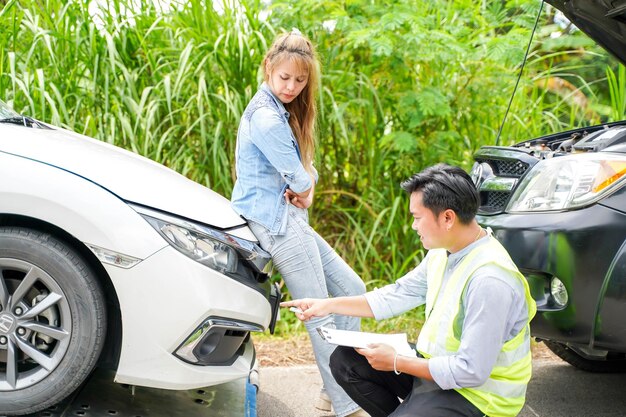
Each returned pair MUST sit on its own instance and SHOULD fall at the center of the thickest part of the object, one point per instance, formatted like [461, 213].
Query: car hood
[131, 177]
[603, 21]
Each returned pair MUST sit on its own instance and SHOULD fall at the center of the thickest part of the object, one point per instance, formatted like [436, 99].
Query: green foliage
[617, 92]
[405, 84]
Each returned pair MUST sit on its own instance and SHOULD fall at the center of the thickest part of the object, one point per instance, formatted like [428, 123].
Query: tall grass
[405, 84]
[170, 86]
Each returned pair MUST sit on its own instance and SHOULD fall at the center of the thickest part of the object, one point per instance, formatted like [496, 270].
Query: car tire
[52, 320]
[616, 365]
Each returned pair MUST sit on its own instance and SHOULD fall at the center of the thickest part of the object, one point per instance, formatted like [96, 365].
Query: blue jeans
[312, 269]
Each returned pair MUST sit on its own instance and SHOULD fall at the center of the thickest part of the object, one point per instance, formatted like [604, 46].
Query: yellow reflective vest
[503, 394]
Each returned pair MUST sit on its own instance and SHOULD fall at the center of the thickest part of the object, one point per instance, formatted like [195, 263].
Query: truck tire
[569, 355]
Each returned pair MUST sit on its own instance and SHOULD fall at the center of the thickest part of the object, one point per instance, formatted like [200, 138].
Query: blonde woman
[274, 189]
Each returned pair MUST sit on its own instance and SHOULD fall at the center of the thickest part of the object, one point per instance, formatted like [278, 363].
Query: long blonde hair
[302, 110]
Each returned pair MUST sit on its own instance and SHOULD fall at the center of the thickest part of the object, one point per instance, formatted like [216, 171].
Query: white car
[109, 258]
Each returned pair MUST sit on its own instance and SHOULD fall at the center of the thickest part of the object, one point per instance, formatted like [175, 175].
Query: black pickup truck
[558, 204]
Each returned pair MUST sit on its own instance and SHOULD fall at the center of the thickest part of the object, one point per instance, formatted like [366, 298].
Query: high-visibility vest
[503, 394]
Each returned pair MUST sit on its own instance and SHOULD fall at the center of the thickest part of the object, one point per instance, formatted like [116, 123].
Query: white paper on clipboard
[362, 339]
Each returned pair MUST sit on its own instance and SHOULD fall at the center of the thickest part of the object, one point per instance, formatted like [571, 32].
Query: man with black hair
[475, 342]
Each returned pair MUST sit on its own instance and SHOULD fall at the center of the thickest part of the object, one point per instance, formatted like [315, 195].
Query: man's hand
[379, 355]
[311, 307]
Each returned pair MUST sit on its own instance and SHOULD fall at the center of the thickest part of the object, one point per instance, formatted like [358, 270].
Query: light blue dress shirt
[267, 163]
[495, 311]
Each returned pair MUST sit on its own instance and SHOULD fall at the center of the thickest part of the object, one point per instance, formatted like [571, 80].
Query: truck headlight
[568, 182]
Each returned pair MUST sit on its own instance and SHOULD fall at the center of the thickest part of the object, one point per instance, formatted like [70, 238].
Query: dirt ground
[272, 352]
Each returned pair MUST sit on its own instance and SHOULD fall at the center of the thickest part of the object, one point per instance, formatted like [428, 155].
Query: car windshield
[6, 112]
[9, 116]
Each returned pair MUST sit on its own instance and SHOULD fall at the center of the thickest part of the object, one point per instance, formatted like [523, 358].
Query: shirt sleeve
[491, 306]
[405, 294]
[316, 175]
[275, 140]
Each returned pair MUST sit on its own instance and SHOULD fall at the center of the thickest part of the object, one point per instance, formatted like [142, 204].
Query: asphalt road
[555, 390]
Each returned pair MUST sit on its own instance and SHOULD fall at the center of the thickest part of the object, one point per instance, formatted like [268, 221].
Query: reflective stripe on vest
[502, 395]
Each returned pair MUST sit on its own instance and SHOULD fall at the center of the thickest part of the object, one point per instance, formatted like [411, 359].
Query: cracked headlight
[211, 247]
[568, 182]
[202, 248]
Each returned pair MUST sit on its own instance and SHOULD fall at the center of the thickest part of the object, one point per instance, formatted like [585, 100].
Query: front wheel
[52, 320]
[610, 363]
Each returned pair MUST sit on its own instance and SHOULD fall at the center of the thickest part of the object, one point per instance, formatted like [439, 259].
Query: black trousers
[379, 392]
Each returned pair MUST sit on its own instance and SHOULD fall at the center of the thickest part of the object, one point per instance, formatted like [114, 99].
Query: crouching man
[475, 342]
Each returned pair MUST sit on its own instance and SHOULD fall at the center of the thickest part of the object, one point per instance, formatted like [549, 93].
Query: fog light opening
[216, 341]
[558, 292]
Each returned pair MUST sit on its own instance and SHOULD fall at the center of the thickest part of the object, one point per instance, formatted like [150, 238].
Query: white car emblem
[6, 323]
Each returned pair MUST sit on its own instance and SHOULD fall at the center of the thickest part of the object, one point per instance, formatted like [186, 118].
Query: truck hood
[131, 177]
[603, 21]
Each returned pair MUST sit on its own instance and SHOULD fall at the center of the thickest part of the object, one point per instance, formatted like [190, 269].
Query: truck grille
[509, 168]
[497, 174]
[495, 201]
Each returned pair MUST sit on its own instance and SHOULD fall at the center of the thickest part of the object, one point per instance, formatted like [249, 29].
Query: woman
[274, 189]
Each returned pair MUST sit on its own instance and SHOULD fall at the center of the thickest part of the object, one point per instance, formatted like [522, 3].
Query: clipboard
[361, 339]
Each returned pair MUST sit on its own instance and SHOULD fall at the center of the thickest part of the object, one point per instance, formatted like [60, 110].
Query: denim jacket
[267, 160]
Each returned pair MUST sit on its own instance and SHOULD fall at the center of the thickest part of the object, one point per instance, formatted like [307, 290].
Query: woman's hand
[310, 307]
[379, 355]
[304, 199]
[299, 200]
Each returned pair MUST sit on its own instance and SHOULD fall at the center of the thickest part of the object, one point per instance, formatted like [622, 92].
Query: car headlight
[204, 249]
[568, 182]
[211, 247]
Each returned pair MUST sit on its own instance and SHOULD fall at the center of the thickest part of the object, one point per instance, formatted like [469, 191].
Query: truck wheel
[52, 320]
[608, 365]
